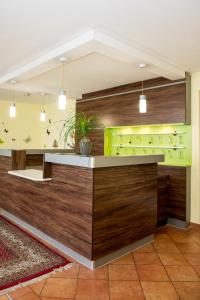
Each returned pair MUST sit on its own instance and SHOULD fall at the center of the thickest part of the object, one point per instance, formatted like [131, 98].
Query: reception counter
[101, 161]
[93, 208]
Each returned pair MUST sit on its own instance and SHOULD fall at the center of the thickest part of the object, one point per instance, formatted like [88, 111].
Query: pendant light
[62, 99]
[142, 102]
[12, 109]
[42, 116]
[43, 113]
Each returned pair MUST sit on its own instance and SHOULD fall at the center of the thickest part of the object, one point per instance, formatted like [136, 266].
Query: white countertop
[6, 152]
[102, 161]
[31, 174]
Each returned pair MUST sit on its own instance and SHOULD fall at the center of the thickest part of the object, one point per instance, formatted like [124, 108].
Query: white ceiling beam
[127, 53]
[51, 55]
[101, 43]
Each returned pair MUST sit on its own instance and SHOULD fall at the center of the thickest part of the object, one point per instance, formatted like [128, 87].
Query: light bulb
[12, 111]
[62, 100]
[143, 104]
[43, 116]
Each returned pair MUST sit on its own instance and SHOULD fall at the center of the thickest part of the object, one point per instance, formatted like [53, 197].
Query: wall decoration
[13, 140]
[28, 139]
[1, 141]
[55, 144]
[48, 132]
[6, 130]
[50, 121]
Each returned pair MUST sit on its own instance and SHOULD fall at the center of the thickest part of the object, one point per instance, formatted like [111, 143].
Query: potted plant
[82, 125]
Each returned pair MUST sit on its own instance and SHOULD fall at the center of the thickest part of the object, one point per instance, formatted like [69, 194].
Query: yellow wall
[54, 115]
[27, 124]
[195, 171]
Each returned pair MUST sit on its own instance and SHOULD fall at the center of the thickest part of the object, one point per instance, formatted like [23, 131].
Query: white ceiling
[90, 73]
[103, 41]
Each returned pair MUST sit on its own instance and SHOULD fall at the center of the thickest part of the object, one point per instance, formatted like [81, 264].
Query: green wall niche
[172, 140]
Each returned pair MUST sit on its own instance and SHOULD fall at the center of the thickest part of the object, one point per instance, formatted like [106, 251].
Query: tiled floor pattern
[167, 269]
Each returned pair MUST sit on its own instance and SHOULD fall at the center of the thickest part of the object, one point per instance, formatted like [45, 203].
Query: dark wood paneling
[165, 105]
[34, 160]
[97, 139]
[123, 209]
[163, 195]
[177, 193]
[172, 193]
[97, 136]
[47, 169]
[61, 208]
[103, 217]
[5, 164]
[129, 87]
[18, 159]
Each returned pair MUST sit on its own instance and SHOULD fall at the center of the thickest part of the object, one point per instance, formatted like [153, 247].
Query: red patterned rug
[23, 258]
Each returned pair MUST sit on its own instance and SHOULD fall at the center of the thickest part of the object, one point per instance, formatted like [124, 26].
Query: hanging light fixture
[143, 98]
[43, 113]
[12, 109]
[62, 99]
[142, 102]
[42, 116]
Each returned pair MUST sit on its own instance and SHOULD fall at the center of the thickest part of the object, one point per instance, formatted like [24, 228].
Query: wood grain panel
[165, 105]
[60, 208]
[129, 87]
[175, 183]
[97, 139]
[34, 160]
[123, 209]
[18, 159]
[88, 218]
[163, 195]
[5, 164]
[177, 193]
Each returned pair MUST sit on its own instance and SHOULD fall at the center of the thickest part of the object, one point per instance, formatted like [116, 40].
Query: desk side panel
[125, 206]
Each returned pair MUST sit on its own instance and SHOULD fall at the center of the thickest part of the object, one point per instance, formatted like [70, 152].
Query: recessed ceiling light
[43, 94]
[142, 65]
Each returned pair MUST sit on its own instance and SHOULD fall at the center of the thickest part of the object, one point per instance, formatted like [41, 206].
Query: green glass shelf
[151, 147]
[172, 140]
[133, 134]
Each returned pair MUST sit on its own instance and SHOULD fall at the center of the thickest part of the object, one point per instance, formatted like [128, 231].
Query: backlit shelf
[161, 133]
[151, 147]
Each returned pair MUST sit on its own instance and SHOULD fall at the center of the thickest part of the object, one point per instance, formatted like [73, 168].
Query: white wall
[195, 170]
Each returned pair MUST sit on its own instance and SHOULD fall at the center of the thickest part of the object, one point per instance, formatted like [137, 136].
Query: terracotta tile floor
[167, 269]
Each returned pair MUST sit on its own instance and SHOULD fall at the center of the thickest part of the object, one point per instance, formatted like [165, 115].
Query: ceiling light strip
[132, 91]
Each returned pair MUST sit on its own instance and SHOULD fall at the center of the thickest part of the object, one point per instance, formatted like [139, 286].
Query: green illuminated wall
[174, 141]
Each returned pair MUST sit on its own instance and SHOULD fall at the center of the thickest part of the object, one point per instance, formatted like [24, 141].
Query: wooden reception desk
[96, 207]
